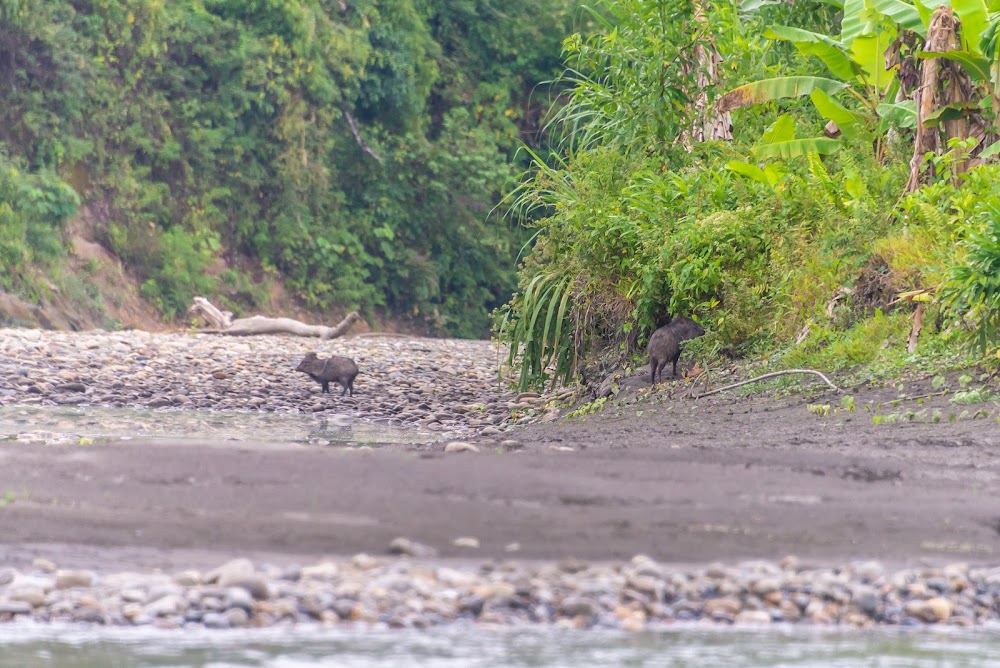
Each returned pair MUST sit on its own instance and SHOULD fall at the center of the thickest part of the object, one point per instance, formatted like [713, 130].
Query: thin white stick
[771, 375]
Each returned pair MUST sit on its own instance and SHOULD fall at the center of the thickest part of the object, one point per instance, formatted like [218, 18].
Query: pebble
[411, 548]
[460, 446]
[67, 579]
[402, 380]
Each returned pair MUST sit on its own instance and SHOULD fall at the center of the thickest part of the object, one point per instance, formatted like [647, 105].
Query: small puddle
[53, 425]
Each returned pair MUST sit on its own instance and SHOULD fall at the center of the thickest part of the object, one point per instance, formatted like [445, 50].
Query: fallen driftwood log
[221, 322]
[771, 375]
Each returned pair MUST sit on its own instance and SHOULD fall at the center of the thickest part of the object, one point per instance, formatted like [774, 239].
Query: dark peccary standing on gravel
[665, 344]
[341, 370]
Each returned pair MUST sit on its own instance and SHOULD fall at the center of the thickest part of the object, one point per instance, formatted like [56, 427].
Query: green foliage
[540, 333]
[715, 262]
[974, 286]
[179, 274]
[588, 408]
[353, 150]
[754, 249]
[972, 397]
[34, 208]
[832, 350]
[628, 90]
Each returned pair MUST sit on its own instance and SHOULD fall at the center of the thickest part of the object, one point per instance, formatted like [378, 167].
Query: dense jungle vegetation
[813, 181]
[351, 149]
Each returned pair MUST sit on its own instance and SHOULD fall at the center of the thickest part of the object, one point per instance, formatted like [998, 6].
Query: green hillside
[349, 152]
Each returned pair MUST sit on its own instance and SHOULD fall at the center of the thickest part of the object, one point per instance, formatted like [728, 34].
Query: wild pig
[665, 344]
[341, 370]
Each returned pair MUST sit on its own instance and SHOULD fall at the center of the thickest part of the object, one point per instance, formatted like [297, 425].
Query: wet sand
[719, 479]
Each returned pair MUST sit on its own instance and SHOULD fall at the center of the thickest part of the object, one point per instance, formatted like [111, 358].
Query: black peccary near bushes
[665, 344]
[341, 370]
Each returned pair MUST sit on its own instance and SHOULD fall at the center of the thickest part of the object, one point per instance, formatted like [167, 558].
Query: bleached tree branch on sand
[221, 322]
[771, 375]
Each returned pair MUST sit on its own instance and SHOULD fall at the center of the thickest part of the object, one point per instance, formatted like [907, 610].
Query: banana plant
[856, 63]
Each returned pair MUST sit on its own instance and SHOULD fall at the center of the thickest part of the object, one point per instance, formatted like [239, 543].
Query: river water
[69, 424]
[29, 645]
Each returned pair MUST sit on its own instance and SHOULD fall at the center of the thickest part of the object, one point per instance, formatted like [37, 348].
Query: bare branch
[357, 136]
[771, 375]
[918, 323]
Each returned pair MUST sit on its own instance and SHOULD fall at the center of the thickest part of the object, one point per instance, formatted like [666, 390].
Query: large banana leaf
[990, 150]
[849, 122]
[827, 49]
[906, 15]
[857, 21]
[771, 175]
[988, 44]
[975, 66]
[903, 114]
[750, 171]
[950, 112]
[868, 51]
[927, 7]
[797, 147]
[974, 19]
[775, 89]
[750, 6]
[782, 129]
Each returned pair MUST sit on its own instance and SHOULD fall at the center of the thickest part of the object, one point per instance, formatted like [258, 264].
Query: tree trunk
[709, 123]
[942, 82]
[222, 323]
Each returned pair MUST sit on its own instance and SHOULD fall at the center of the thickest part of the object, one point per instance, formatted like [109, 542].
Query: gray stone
[411, 548]
[256, 585]
[460, 446]
[237, 617]
[238, 597]
[866, 599]
[15, 607]
[69, 579]
[163, 589]
[42, 582]
[576, 606]
[189, 578]
[230, 569]
[88, 615]
[765, 586]
[29, 594]
[215, 620]
[171, 604]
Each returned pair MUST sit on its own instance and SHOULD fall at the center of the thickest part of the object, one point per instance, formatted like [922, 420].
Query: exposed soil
[719, 479]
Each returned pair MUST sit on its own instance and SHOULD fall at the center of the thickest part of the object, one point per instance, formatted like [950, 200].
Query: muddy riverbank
[909, 483]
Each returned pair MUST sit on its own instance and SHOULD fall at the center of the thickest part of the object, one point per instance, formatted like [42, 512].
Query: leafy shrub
[973, 287]
[181, 275]
[540, 332]
[34, 208]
